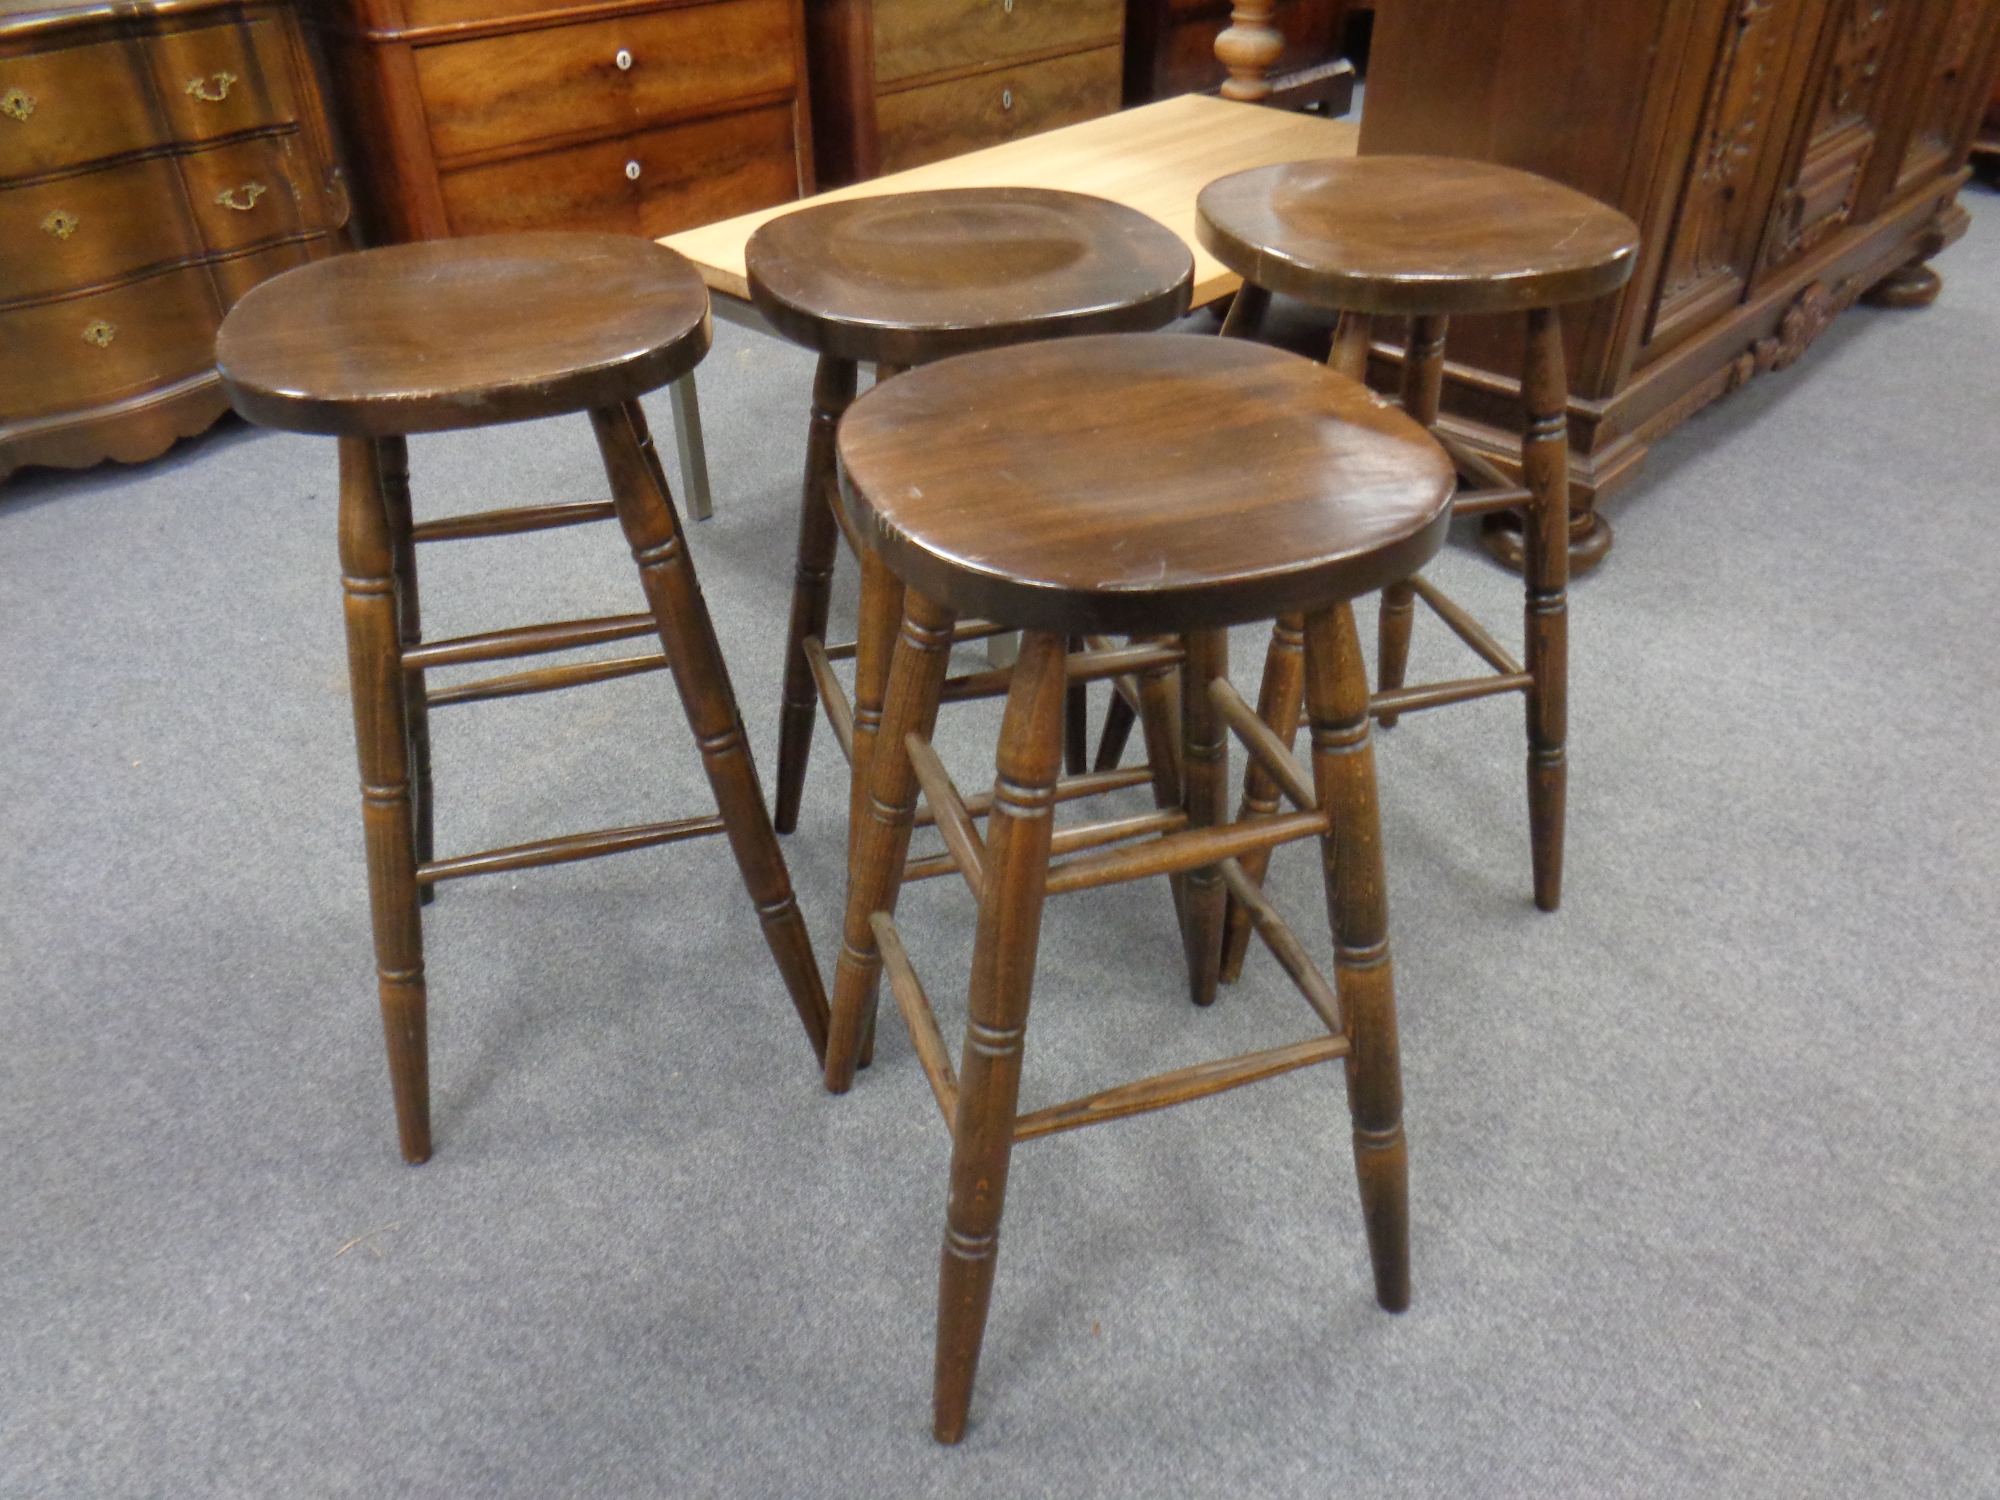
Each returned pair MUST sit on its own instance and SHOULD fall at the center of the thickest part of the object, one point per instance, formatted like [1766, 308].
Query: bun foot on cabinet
[1589, 539]
[1914, 285]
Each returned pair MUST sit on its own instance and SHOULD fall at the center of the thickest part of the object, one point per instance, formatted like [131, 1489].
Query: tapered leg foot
[879, 839]
[687, 636]
[1357, 905]
[1003, 972]
[1545, 575]
[812, 585]
[379, 688]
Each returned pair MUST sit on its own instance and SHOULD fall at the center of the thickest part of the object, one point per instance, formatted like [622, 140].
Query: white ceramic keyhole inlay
[632, 170]
[1008, 6]
[623, 59]
[1006, 98]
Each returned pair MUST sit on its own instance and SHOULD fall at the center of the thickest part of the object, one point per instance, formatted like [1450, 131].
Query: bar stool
[472, 333]
[899, 280]
[1135, 485]
[1429, 238]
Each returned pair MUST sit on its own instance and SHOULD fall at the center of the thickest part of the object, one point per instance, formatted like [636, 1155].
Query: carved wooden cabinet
[156, 162]
[1782, 157]
[629, 116]
[897, 83]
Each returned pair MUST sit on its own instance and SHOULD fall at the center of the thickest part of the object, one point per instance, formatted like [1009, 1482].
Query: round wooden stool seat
[1415, 234]
[1130, 482]
[463, 333]
[910, 277]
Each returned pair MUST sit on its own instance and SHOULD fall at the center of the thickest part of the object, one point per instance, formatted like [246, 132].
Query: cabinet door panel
[915, 37]
[218, 80]
[687, 175]
[503, 91]
[1721, 214]
[83, 231]
[945, 119]
[74, 104]
[85, 351]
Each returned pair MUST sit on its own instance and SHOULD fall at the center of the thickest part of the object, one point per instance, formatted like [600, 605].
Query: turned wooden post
[1545, 575]
[1423, 386]
[1247, 47]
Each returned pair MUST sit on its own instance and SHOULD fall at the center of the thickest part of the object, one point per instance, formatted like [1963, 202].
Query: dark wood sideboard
[1782, 158]
[628, 116]
[898, 83]
[157, 160]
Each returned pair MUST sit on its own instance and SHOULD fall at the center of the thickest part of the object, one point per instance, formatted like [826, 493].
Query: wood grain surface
[1154, 159]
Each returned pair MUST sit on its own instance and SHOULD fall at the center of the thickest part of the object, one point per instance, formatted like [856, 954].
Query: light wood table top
[1155, 158]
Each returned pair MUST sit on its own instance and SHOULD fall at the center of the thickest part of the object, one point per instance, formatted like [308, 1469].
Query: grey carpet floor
[1706, 1168]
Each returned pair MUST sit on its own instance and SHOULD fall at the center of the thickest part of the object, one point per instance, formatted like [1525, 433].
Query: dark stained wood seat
[1162, 487]
[900, 280]
[1429, 238]
[467, 333]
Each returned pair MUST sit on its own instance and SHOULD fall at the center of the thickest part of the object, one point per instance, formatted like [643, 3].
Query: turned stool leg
[1076, 722]
[879, 839]
[1205, 776]
[394, 456]
[1545, 573]
[812, 584]
[1279, 699]
[380, 688]
[1003, 975]
[646, 511]
[1357, 903]
[1423, 385]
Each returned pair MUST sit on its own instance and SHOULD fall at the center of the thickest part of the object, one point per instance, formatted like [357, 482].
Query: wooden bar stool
[1428, 238]
[900, 280]
[471, 333]
[1141, 486]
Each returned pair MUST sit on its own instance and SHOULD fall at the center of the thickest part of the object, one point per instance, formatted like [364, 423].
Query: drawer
[915, 37]
[86, 230]
[506, 91]
[72, 105]
[687, 175]
[217, 80]
[89, 350]
[947, 119]
[237, 274]
[251, 191]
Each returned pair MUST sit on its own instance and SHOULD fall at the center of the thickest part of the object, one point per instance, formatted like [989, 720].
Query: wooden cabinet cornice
[630, 116]
[157, 160]
[1781, 157]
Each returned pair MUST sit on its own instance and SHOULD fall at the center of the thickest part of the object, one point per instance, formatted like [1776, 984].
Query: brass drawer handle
[251, 192]
[17, 104]
[100, 333]
[61, 223]
[198, 87]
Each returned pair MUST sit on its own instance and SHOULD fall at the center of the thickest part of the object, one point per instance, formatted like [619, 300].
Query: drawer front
[73, 105]
[915, 37]
[507, 91]
[237, 274]
[83, 231]
[947, 119]
[251, 191]
[220, 79]
[89, 350]
[687, 175]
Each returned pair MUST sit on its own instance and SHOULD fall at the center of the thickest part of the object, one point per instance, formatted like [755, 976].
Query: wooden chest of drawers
[632, 116]
[156, 162]
[897, 83]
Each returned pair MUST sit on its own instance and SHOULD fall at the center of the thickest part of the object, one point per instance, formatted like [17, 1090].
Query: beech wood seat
[901, 280]
[467, 333]
[1155, 487]
[1430, 238]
